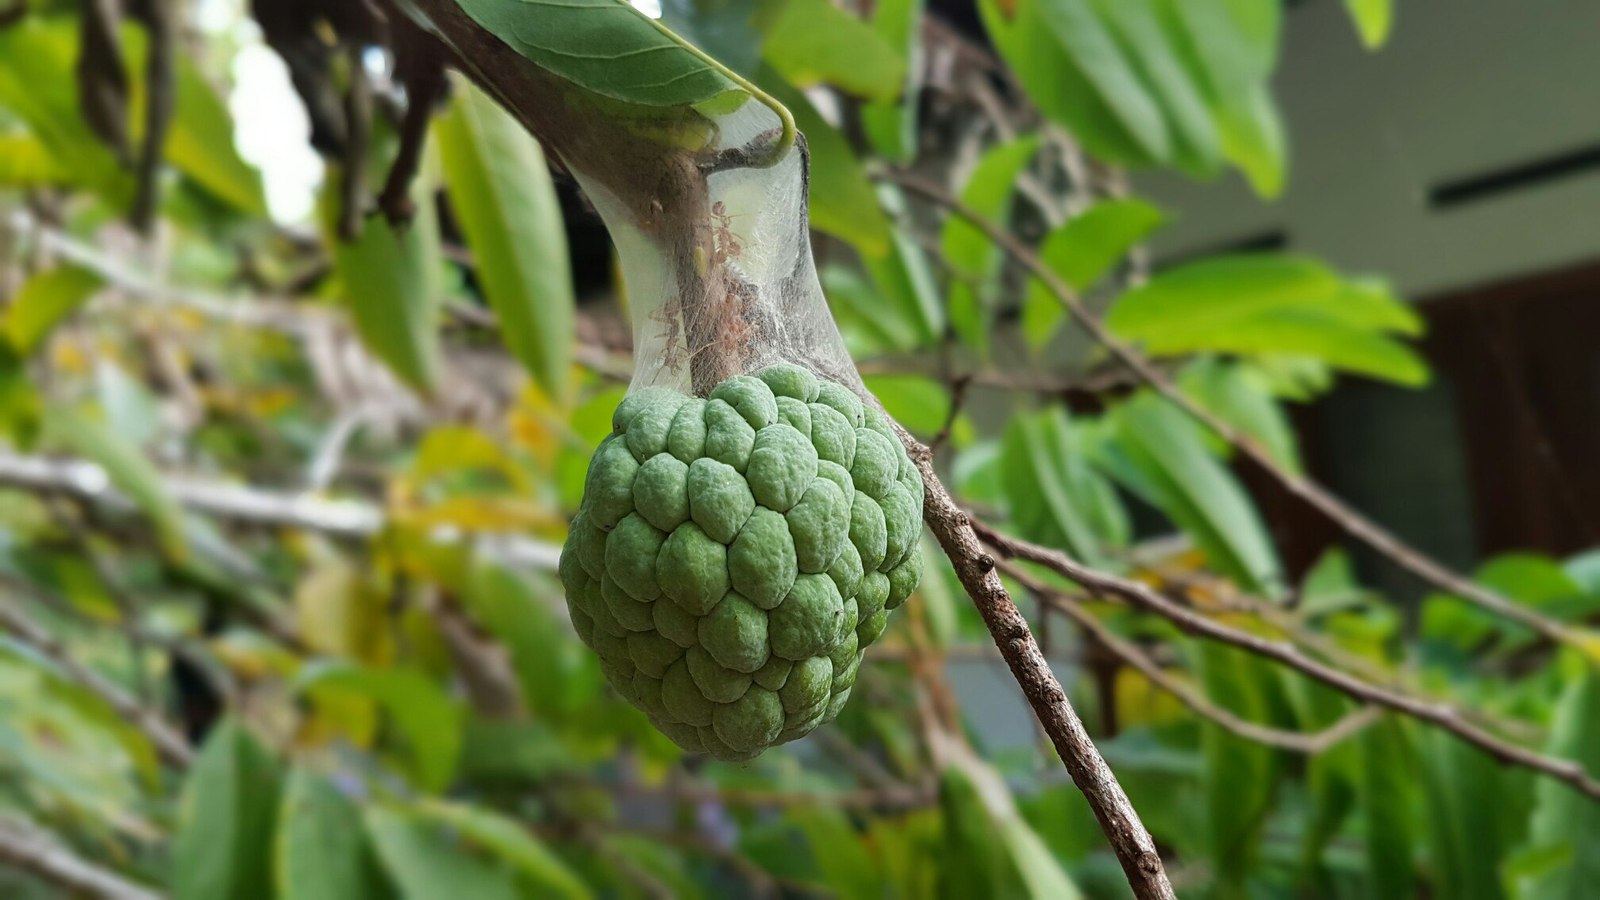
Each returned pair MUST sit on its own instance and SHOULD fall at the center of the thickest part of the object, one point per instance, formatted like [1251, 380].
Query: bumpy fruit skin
[734, 557]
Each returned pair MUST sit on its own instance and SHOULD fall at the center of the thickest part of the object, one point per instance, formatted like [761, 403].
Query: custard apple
[734, 556]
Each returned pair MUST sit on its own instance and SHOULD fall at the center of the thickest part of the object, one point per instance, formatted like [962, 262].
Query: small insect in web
[725, 244]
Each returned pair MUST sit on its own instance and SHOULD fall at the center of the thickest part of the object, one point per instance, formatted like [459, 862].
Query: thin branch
[1197, 702]
[250, 505]
[1129, 840]
[419, 65]
[168, 741]
[1442, 715]
[358, 118]
[1334, 509]
[41, 855]
[161, 99]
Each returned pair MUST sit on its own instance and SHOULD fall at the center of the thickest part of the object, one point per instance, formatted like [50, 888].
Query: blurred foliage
[384, 694]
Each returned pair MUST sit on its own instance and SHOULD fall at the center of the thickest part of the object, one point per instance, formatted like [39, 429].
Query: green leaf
[1254, 139]
[606, 47]
[1566, 823]
[1373, 18]
[427, 862]
[129, 471]
[200, 142]
[1151, 48]
[1469, 810]
[505, 200]
[891, 125]
[1161, 454]
[1534, 581]
[1054, 496]
[919, 403]
[322, 849]
[843, 202]
[223, 845]
[392, 282]
[969, 252]
[1081, 251]
[911, 309]
[554, 672]
[37, 84]
[1238, 395]
[1239, 774]
[25, 160]
[544, 872]
[44, 300]
[1387, 782]
[1055, 82]
[813, 42]
[990, 850]
[1268, 304]
[423, 714]
[1087, 39]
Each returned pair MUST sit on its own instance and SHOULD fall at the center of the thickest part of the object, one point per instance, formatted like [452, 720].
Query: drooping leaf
[427, 862]
[905, 281]
[223, 845]
[971, 255]
[606, 47]
[428, 719]
[1081, 251]
[1240, 397]
[391, 280]
[1153, 54]
[1079, 28]
[200, 143]
[1161, 455]
[37, 85]
[1387, 783]
[555, 675]
[1055, 496]
[814, 42]
[1271, 304]
[1239, 774]
[1056, 82]
[1565, 828]
[322, 849]
[129, 471]
[891, 125]
[990, 850]
[44, 300]
[542, 872]
[505, 200]
[1373, 19]
[1471, 803]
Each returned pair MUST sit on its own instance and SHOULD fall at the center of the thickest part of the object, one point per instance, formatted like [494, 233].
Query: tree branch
[1442, 715]
[1337, 511]
[1131, 843]
[169, 743]
[30, 850]
[1196, 701]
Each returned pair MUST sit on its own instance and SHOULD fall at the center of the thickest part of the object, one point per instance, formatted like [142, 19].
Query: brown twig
[1141, 596]
[419, 64]
[358, 122]
[1334, 509]
[169, 743]
[1131, 843]
[37, 853]
[1196, 701]
[161, 67]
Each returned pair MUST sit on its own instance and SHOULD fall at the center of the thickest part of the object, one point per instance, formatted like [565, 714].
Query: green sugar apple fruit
[734, 556]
